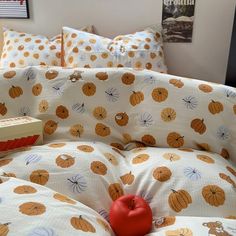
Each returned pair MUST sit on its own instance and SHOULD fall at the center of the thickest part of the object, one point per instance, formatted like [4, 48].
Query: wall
[205, 58]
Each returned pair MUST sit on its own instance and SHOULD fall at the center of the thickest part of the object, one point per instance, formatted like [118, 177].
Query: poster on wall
[177, 20]
[14, 9]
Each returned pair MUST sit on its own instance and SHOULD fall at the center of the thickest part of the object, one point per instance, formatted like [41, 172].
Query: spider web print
[77, 183]
[78, 107]
[112, 94]
[223, 133]
[146, 120]
[24, 111]
[190, 102]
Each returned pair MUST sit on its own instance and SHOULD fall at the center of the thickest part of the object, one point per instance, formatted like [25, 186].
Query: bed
[113, 131]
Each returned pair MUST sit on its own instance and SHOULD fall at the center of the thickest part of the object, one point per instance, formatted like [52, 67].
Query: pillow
[22, 49]
[143, 50]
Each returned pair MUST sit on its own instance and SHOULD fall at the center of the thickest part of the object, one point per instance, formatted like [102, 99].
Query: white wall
[205, 58]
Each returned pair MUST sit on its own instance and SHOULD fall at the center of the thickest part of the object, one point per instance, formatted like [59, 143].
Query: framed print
[18, 9]
[177, 20]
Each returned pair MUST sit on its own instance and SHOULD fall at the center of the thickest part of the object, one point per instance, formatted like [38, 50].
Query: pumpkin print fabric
[174, 183]
[127, 106]
[142, 50]
[22, 49]
[103, 131]
[95, 174]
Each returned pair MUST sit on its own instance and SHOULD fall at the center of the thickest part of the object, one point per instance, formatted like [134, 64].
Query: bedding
[142, 49]
[22, 49]
[115, 131]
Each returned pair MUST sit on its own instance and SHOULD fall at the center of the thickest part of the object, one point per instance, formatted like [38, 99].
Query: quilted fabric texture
[21, 49]
[179, 182]
[49, 213]
[139, 50]
[121, 106]
[26, 201]
[110, 132]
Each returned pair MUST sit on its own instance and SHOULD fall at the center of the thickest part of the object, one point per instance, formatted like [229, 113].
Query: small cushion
[22, 49]
[139, 50]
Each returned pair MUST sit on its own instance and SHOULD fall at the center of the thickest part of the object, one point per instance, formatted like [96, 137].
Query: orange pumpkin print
[127, 178]
[4, 229]
[126, 138]
[179, 200]
[140, 158]
[162, 174]
[32, 208]
[43, 106]
[5, 162]
[176, 82]
[102, 130]
[25, 189]
[159, 94]
[115, 191]
[111, 158]
[186, 149]
[9, 175]
[225, 154]
[39, 177]
[136, 98]
[102, 75]
[50, 127]
[100, 113]
[103, 224]
[234, 109]
[171, 156]
[3, 109]
[63, 198]
[15, 91]
[85, 148]
[93, 57]
[117, 146]
[215, 107]
[148, 66]
[175, 140]
[89, 89]
[62, 112]
[168, 114]
[227, 179]
[56, 145]
[122, 119]
[206, 159]
[231, 170]
[51, 74]
[76, 130]
[149, 140]
[198, 126]
[37, 89]
[98, 167]
[128, 78]
[205, 88]
[204, 146]
[213, 195]
[9, 74]
[79, 223]
[165, 221]
[179, 232]
[65, 161]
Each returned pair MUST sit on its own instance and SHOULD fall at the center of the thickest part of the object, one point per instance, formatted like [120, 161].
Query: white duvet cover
[110, 132]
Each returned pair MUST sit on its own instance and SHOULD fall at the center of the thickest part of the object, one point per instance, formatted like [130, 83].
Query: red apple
[130, 215]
